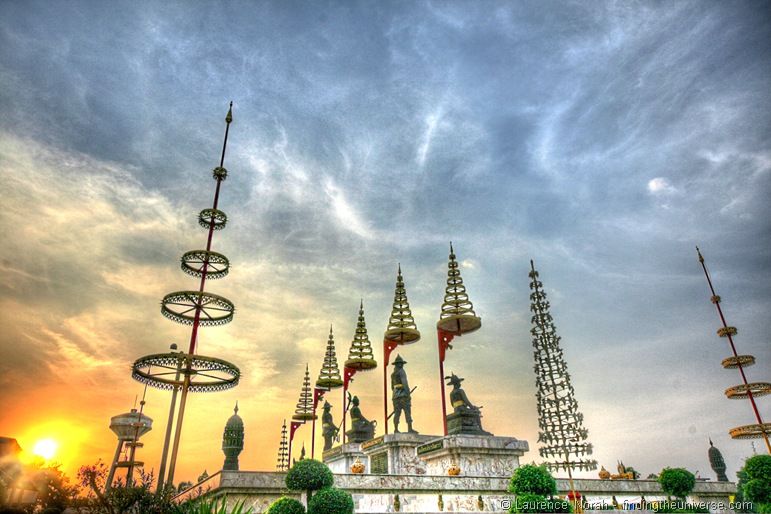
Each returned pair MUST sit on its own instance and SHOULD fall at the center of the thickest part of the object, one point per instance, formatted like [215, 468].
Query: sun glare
[45, 448]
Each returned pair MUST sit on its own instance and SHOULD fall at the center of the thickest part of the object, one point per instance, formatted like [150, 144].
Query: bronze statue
[402, 395]
[466, 417]
[328, 428]
[362, 429]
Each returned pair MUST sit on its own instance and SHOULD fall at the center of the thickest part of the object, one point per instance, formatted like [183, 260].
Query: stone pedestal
[394, 454]
[476, 455]
[341, 458]
[466, 421]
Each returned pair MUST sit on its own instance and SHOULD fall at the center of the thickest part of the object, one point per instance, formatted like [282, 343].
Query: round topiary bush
[677, 481]
[757, 489]
[286, 506]
[331, 501]
[532, 479]
[309, 475]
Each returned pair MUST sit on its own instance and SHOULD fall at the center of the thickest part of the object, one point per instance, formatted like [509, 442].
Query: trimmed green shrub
[532, 479]
[677, 482]
[286, 506]
[757, 488]
[331, 501]
[309, 475]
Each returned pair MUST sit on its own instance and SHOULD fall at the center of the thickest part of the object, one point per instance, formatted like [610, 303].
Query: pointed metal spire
[360, 356]
[329, 376]
[457, 316]
[304, 410]
[235, 410]
[401, 325]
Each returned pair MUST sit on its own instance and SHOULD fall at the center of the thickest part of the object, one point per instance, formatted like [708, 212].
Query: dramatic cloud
[603, 140]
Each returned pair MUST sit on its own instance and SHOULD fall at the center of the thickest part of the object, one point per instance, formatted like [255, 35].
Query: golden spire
[329, 376]
[401, 324]
[304, 410]
[457, 316]
[360, 356]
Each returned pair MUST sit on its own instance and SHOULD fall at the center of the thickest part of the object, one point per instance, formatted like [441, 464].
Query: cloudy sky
[602, 140]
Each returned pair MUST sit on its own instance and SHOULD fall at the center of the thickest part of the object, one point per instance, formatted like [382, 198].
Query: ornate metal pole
[169, 424]
[561, 424]
[457, 318]
[747, 390]
[401, 331]
[329, 378]
[197, 309]
[305, 410]
[282, 462]
[360, 358]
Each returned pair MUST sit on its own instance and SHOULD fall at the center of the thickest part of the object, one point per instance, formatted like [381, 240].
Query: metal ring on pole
[755, 431]
[217, 265]
[742, 391]
[739, 360]
[181, 306]
[215, 218]
[206, 374]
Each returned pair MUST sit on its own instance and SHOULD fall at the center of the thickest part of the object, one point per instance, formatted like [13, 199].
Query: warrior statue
[328, 428]
[362, 429]
[401, 394]
[466, 417]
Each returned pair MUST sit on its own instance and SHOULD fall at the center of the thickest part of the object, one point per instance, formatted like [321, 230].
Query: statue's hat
[399, 360]
[327, 405]
[454, 379]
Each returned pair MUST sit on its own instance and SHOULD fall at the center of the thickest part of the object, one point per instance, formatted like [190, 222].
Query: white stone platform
[340, 458]
[476, 455]
[394, 454]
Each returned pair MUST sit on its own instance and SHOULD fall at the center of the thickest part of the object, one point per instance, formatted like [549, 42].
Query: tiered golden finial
[329, 376]
[304, 410]
[401, 324]
[458, 316]
[360, 356]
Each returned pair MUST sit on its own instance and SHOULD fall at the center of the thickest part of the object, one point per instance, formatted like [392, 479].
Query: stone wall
[420, 493]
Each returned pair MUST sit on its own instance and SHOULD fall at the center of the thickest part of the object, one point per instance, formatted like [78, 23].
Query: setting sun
[45, 448]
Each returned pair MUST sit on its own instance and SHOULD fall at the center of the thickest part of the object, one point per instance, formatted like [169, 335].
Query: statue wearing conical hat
[328, 428]
[362, 429]
[466, 417]
[401, 395]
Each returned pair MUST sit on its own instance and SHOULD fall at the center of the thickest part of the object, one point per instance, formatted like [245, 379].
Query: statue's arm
[404, 381]
[465, 399]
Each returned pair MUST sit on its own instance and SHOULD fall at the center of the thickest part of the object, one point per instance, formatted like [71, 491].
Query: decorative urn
[357, 467]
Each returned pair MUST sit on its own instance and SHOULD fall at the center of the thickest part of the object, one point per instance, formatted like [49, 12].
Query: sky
[603, 140]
